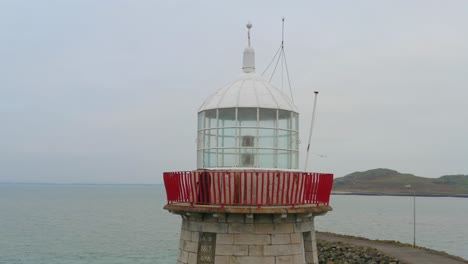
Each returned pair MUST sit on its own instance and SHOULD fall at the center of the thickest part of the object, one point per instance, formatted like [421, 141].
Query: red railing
[252, 188]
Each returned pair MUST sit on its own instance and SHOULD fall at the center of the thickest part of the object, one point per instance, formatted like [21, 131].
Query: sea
[112, 224]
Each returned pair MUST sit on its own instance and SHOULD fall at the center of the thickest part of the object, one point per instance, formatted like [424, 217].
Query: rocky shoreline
[342, 253]
[345, 249]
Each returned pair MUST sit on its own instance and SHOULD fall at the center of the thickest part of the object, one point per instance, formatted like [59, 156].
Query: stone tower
[247, 202]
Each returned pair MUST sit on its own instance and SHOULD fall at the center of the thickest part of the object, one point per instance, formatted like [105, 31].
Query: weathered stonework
[247, 238]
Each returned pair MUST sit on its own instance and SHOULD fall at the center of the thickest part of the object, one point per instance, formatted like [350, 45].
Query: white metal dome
[249, 91]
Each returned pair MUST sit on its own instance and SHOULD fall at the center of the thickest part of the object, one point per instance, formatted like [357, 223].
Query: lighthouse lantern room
[249, 123]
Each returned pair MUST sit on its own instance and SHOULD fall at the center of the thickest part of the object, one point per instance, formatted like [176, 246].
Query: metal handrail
[248, 188]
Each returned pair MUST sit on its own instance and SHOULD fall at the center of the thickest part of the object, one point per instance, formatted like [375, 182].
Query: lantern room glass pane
[200, 139]
[284, 119]
[247, 117]
[294, 159]
[227, 157]
[209, 158]
[267, 117]
[200, 120]
[200, 159]
[266, 138]
[210, 118]
[284, 159]
[295, 121]
[284, 139]
[247, 157]
[266, 158]
[247, 137]
[210, 138]
[294, 140]
[227, 117]
[226, 137]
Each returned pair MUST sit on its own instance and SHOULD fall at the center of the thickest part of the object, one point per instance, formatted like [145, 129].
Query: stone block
[194, 216]
[183, 256]
[304, 226]
[305, 217]
[296, 238]
[298, 259]
[311, 258]
[248, 219]
[224, 239]
[251, 239]
[282, 250]
[280, 239]
[232, 250]
[307, 236]
[195, 236]
[284, 218]
[221, 260]
[193, 226]
[185, 224]
[189, 246]
[315, 256]
[284, 259]
[251, 260]
[181, 242]
[192, 258]
[236, 228]
[277, 218]
[274, 228]
[235, 218]
[209, 218]
[222, 218]
[308, 246]
[255, 250]
[185, 234]
[263, 219]
[214, 227]
[290, 218]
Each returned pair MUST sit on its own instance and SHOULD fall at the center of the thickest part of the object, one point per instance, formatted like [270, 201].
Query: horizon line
[74, 183]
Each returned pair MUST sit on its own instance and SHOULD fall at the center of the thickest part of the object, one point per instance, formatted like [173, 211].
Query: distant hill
[386, 181]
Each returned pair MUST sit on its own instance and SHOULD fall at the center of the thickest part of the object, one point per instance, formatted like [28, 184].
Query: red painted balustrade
[248, 188]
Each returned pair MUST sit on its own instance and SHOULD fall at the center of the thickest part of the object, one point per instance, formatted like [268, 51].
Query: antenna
[280, 55]
[311, 129]
[282, 32]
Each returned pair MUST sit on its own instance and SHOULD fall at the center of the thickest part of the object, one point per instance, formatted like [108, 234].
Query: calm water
[126, 224]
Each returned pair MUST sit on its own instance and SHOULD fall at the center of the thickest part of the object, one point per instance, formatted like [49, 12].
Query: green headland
[391, 182]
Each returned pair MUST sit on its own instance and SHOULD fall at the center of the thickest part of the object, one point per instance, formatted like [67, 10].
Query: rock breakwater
[332, 252]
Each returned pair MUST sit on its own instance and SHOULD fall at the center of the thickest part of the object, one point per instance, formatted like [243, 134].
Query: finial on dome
[249, 26]
[249, 54]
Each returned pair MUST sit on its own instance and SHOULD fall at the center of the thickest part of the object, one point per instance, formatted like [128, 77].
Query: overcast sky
[108, 91]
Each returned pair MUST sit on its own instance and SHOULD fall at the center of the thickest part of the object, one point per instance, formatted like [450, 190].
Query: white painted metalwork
[311, 130]
[250, 90]
[248, 124]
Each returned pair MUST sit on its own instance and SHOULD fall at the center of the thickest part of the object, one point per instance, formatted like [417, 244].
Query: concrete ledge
[197, 208]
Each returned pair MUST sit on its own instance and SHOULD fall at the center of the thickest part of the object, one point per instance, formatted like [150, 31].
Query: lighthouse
[247, 201]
